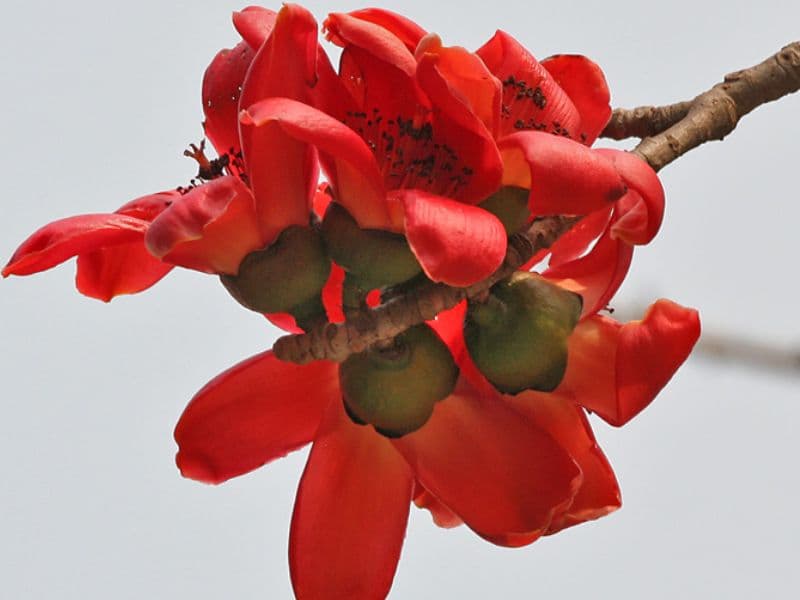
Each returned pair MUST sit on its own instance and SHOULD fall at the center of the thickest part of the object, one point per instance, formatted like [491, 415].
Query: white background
[98, 101]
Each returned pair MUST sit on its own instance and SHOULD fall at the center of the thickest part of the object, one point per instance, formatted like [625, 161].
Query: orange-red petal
[116, 270]
[211, 228]
[616, 370]
[254, 24]
[222, 85]
[596, 276]
[253, 413]
[566, 422]
[455, 243]
[531, 97]
[351, 167]
[401, 27]
[504, 477]
[61, 240]
[565, 177]
[639, 213]
[350, 514]
[586, 86]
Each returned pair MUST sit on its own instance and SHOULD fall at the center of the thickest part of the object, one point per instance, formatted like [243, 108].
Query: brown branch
[714, 114]
[644, 121]
[675, 129]
[337, 341]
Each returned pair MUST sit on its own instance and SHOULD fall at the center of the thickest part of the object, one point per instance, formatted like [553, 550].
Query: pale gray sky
[99, 101]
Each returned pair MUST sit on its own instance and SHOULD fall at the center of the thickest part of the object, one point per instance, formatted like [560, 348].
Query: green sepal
[518, 337]
[289, 273]
[376, 258]
[510, 205]
[395, 388]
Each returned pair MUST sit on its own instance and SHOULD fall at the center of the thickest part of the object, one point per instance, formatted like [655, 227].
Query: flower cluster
[432, 157]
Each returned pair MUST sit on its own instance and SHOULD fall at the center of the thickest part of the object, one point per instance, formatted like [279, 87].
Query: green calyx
[395, 388]
[510, 205]
[518, 337]
[372, 257]
[286, 276]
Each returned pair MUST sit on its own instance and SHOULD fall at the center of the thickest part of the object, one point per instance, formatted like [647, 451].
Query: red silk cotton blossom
[412, 162]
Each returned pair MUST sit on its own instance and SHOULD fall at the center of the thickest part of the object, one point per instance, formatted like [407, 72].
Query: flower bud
[510, 205]
[394, 389]
[287, 274]
[375, 258]
[518, 337]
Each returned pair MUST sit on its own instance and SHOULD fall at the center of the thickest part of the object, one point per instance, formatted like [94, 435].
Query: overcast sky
[99, 99]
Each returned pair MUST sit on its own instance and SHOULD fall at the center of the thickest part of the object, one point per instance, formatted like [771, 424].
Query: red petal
[150, 206]
[254, 24]
[282, 170]
[404, 29]
[352, 31]
[579, 238]
[350, 514]
[638, 215]
[124, 269]
[457, 81]
[466, 111]
[222, 85]
[353, 172]
[586, 86]
[332, 294]
[442, 516]
[61, 240]
[504, 477]
[254, 412]
[531, 97]
[564, 176]
[597, 275]
[567, 424]
[455, 243]
[616, 370]
[284, 321]
[210, 229]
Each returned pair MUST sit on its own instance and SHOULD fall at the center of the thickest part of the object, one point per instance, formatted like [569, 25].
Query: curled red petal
[455, 243]
[504, 477]
[586, 86]
[116, 270]
[211, 228]
[596, 276]
[566, 422]
[638, 216]
[350, 514]
[401, 27]
[253, 413]
[352, 169]
[254, 24]
[617, 369]
[564, 177]
[150, 206]
[531, 97]
[61, 240]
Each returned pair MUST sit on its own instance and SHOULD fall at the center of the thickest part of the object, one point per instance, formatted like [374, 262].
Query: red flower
[210, 227]
[511, 468]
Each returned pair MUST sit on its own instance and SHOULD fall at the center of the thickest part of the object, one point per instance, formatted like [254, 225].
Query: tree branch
[644, 121]
[674, 130]
[337, 341]
[710, 116]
